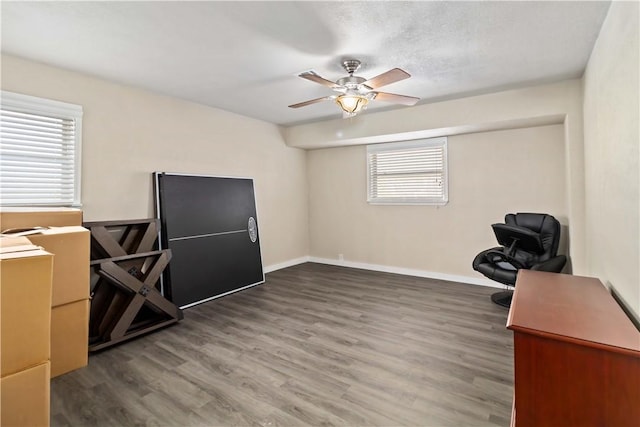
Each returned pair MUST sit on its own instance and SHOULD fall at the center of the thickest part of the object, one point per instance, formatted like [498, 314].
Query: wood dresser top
[571, 308]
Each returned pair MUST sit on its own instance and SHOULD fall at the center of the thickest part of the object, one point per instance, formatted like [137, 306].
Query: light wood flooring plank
[315, 345]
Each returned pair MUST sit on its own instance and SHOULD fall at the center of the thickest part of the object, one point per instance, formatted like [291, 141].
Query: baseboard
[386, 269]
[409, 272]
[285, 264]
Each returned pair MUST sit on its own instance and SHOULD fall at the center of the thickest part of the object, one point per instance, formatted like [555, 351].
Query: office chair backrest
[546, 225]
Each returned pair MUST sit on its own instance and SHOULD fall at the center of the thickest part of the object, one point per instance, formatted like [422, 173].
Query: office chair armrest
[482, 256]
[500, 256]
[553, 265]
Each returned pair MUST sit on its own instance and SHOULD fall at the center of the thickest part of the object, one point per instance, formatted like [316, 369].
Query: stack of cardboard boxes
[69, 296]
[25, 310]
[44, 324]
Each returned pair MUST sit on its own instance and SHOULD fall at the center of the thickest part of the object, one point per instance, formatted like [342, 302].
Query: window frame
[28, 104]
[408, 145]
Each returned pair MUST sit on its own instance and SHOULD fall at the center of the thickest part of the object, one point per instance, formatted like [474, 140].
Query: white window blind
[40, 142]
[408, 172]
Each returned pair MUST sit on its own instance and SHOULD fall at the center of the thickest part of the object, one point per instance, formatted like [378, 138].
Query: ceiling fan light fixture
[352, 104]
[355, 92]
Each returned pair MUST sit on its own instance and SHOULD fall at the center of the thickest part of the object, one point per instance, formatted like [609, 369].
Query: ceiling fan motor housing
[350, 82]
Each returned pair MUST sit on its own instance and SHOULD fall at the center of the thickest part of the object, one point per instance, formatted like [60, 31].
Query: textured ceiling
[244, 57]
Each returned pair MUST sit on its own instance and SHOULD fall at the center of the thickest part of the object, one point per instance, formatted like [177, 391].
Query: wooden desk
[577, 355]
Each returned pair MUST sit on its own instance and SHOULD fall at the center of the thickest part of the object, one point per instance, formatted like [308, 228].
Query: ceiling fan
[354, 93]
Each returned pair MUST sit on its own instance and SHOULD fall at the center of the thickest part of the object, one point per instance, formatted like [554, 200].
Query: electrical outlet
[340, 257]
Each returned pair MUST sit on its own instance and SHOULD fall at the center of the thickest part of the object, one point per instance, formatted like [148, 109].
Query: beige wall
[513, 109]
[490, 174]
[612, 140]
[128, 133]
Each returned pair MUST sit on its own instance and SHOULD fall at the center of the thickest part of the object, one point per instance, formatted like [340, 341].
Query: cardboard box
[25, 309]
[16, 244]
[70, 247]
[39, 217]
[69, 337]
[24, 398]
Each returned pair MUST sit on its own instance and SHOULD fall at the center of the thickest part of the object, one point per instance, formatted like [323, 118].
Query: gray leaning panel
[211, 226]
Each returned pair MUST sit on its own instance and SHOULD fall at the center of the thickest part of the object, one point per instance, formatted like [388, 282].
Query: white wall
[490, 174]
[128, 133]
[612, 140]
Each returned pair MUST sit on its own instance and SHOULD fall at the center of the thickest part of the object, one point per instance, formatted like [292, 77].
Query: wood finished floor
[315, 345]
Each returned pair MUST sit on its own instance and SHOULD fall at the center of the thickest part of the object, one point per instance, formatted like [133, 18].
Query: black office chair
[529, 241]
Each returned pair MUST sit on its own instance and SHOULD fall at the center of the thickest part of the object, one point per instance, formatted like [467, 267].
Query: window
[39, 151]
[409, 172]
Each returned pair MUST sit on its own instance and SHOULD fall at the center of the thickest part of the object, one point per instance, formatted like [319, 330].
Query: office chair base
[502, 298]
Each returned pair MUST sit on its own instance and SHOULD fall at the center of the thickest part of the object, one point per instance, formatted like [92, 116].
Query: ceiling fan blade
[396, 99]
[387, 78]
[311, 101]
[310, 75]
